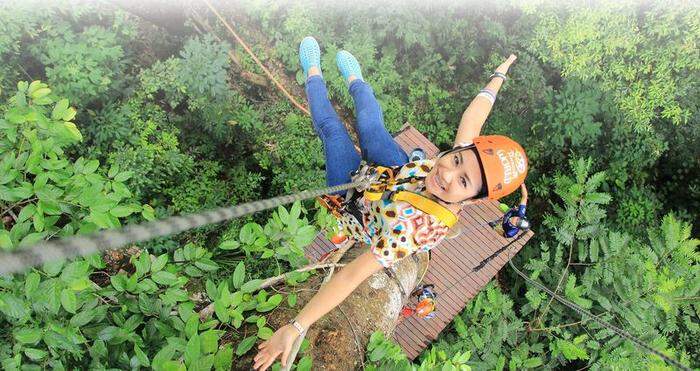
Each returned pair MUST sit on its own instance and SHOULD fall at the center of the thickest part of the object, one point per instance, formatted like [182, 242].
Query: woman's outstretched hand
[503, 68]
[279, 343]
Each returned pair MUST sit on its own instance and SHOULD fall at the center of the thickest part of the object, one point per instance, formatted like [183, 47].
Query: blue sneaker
[309, 55]
[348, 65]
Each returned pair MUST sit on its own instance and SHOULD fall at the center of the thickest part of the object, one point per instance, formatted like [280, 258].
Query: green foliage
[203, 70]
[283, 237]
[635, 284]
[173, 127]
[154, 157]
[75, 64]
[489, 328]
[44, 192]
[647, 82]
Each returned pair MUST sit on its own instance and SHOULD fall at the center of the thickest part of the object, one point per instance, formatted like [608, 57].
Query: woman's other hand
[503, 68]
[279, 343]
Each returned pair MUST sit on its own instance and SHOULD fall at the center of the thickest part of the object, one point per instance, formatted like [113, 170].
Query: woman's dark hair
[484, 188]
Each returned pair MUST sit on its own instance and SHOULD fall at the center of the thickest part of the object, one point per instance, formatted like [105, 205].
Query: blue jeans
[377, 145]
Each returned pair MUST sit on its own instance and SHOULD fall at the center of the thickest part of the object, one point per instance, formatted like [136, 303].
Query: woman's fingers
[268, 358]
[269, 363]
[262, 345]
[285, 354]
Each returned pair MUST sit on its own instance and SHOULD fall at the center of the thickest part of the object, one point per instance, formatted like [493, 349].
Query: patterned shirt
[395, 229]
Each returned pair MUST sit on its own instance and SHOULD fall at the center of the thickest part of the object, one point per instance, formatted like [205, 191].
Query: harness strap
[428, 206]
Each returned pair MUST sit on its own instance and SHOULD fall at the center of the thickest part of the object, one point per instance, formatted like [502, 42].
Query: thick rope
[64, 248]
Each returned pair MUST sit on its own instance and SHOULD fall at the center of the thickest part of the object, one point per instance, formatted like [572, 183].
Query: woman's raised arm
[328, 297]
[478, 110]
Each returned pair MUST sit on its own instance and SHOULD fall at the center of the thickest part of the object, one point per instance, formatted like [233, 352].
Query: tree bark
[337, 341]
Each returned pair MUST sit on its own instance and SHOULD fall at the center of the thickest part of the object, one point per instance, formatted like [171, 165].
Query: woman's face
[455, 177]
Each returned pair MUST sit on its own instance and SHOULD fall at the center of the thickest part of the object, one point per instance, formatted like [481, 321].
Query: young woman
[477, 167]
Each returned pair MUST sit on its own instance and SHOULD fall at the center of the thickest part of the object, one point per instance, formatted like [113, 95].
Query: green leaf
[31, 283]
[192, 326]
[59, 109]
[229, 245]
[69, 301]
[292, 300]
[304, 364]
[265, 333]
[100, 219]
[82, 318]
[91, 166]
[193, 350]
[165, 354]
[210, 341]
[141, 356]
[245, 345]
[148, 213]
[28, 335]
[5, 240]
[35, 354]
[40, 93]
[305, 235]
[239, 275]
[223, 358]
[124, 176]
[164, 278]
[221, 311]
[159, 263]
[206, 265]
[571, 351]
[251, 285]
[113, 170]
[69, 114]
[532, 362]
[122, 211]
[26, 213]
[73, 130]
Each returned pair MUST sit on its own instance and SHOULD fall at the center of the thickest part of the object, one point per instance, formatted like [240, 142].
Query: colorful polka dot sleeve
[395, 230]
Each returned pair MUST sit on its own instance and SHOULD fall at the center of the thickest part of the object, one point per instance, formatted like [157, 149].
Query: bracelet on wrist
[499, 74]
[488, 94]
[297, 326]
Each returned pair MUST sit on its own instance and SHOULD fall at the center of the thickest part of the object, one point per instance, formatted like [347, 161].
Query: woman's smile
[438, 182]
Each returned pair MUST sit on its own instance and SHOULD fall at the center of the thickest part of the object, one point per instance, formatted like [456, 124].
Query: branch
[255, 58]
[209, 309]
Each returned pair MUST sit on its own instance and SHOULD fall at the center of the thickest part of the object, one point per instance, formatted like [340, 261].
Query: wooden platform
[451, 262]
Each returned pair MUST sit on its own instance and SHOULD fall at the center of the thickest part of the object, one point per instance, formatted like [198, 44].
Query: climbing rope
[60, 249]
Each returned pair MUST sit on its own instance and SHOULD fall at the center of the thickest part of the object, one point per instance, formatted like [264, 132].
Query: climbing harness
[382, 181]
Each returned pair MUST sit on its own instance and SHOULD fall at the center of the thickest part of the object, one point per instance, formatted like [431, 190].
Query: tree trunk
[337, 341]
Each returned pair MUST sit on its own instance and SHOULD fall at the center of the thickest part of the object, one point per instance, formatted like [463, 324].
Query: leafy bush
[81, 65]
[42, 184]
[647, 82]
[155, 158]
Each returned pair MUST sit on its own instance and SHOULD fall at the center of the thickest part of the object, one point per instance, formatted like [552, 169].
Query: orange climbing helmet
[503, 162]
